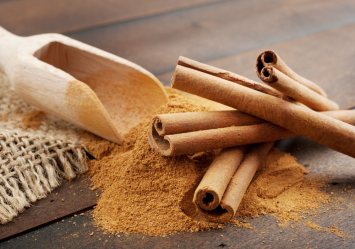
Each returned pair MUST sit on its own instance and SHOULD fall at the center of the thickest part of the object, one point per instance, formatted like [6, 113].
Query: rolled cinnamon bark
[237, 185]
[166, 124]
[301, 93]
[193, 142]
[233, 77]
[270, 58]
[174, 123]
[210, 191]
[346, 116]
[204, 140]
[320, 128]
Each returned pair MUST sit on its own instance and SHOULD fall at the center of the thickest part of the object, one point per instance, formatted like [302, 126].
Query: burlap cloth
[33, 162]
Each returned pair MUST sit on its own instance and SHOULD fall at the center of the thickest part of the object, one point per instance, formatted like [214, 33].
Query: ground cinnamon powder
[331, 229]
[145, 192]
[279, 187]
[33, 119]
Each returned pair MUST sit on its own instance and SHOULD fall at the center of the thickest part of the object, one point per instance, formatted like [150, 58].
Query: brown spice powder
[279, 187]
[145, 192]
[331, 229]
[314, 226]
[33, 119]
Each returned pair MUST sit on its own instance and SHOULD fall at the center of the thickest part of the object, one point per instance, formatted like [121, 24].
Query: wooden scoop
[93, 89]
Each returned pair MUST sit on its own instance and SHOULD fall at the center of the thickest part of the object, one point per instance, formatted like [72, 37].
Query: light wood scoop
[93, 89]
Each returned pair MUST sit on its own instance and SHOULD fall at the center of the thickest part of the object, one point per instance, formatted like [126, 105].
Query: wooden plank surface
[217, 30]
[69, 198]
[326, 58]
[30, 17]
[265, 232]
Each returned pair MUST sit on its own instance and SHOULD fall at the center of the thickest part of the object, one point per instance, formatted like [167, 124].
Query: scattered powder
[33, 119]
[242, 224]
[314, 226]
[336, 231]
[145, 192]
[332, 229]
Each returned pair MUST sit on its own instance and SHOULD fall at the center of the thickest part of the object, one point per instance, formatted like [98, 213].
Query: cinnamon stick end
[259, 65]
[158, 142]
[269, 58]
[173, 79]
[268, 75]
[206, 199]
[218, 215]
[159, 128]
[183, 61]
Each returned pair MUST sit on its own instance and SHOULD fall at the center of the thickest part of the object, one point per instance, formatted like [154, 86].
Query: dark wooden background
[316, 38]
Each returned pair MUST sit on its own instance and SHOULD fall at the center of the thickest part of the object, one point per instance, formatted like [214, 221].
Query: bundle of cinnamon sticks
[287, 105]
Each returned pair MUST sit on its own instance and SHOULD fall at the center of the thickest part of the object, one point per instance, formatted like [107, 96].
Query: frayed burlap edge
[32, 166]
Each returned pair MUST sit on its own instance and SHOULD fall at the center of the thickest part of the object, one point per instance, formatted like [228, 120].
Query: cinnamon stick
[209, 192]
[237, 186]
[297, 119]
[166, 124]
[346, 116]
[204, 140]
[174, 123]
[193, 142]
[270, 58]
[301, 93]
[232, 77]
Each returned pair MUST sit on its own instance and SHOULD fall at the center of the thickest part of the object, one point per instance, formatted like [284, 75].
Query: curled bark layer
[203, 140]
[166, 124]
[270, 58]
[232, 77]
[297, 119]
[198, 141]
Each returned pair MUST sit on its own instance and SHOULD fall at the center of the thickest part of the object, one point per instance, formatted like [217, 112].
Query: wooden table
[316, 39]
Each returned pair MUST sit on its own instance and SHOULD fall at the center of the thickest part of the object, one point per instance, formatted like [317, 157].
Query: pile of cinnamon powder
[145, 192]
[279, 187]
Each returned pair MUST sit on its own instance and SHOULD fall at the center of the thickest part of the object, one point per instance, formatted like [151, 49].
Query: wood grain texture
[69, 198]
[30, 17]
[216, 30]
